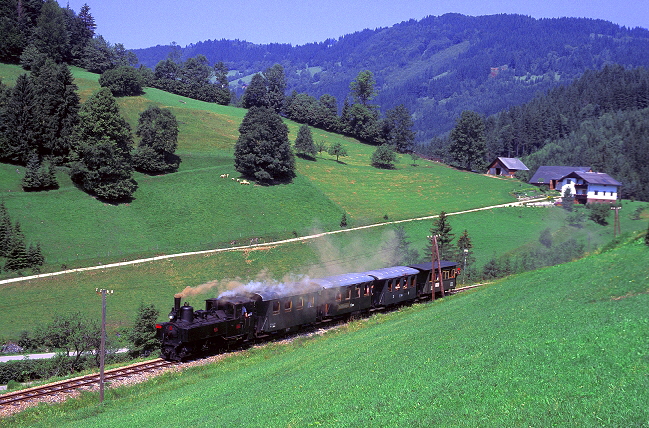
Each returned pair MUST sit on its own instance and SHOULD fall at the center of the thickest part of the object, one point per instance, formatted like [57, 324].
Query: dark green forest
[436, 67]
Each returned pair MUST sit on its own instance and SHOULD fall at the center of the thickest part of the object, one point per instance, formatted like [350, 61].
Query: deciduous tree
[158, 129]
[122, 81]
[263, 151]
[337, 149]
[362, 88]
[304, 142]
[384, 157]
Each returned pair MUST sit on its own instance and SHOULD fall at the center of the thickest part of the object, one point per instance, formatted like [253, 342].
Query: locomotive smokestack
[177, 298]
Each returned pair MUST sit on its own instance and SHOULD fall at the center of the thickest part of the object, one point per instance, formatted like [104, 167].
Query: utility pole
[102, 350]
[616, 225]
[435, 256]
[466, 251]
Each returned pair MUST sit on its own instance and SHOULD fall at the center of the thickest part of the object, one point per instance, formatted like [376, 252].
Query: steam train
[256, 312]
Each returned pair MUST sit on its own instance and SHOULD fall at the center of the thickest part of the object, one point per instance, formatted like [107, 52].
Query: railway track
[468, 287]
[65, 387]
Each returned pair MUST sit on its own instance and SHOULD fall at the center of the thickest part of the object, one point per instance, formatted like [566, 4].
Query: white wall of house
[594, 192]
[602, 192]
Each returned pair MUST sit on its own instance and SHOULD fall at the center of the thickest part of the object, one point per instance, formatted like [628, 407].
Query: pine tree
[442, 229]
[21, 122]
[103, 142]
[398, 249]
[142, 335]
[468, 147]
[465, 253]
[35, 256]
[32, 178]
[6, 231]
[17, 256]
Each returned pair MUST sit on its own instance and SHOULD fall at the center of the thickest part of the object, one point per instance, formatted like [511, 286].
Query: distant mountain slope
[439, 66]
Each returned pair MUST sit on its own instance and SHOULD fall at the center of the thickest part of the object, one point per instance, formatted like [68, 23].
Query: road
[265, 244]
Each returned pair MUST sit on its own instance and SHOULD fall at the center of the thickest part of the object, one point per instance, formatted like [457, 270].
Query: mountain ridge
[437, 66]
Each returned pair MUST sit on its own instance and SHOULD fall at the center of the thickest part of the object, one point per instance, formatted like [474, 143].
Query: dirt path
[256, 246]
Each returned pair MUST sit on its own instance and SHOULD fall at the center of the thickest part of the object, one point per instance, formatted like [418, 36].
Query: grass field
[157, 282]
[194, 209]
[561, 346]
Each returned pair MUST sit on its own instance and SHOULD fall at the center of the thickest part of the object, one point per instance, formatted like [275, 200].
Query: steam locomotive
[258, 311]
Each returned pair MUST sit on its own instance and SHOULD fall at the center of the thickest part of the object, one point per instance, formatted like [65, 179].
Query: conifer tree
[142, 335]
[6, 231]
[103, 142]
[442, 229]
[35, 256]
[17, 257]
[21, 122]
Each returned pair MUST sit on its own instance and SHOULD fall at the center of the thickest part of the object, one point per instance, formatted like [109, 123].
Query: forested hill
[600, 120]
[438, 66]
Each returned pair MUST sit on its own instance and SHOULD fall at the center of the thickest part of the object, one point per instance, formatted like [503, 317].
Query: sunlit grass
[562, 346]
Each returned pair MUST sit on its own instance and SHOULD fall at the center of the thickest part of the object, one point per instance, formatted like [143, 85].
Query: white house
[590, 187]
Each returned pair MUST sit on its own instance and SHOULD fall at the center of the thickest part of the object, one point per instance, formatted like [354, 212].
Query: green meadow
[560, 346]
[195, 209]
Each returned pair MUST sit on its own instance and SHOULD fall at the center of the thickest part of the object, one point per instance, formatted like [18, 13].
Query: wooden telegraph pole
[435, 257]
[102, 350]
[616, 225]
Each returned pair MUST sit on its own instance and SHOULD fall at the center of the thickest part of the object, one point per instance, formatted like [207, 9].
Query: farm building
[585, 185]
[550, 175]
[506, 167]
[590, 187]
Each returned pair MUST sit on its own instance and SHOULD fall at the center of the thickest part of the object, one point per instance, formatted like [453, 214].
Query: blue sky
[145, 23]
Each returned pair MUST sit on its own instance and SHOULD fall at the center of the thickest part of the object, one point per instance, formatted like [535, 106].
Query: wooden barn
[506, 167]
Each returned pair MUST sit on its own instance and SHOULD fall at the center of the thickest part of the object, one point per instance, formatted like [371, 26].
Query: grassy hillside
[563, 346]
[494, 233]
[195, 209]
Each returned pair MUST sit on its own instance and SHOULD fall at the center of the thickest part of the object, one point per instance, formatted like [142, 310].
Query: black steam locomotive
[256, 312]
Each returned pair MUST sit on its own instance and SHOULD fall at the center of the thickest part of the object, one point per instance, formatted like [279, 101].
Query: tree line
[263, 152]
[13, 246]
[44, 127]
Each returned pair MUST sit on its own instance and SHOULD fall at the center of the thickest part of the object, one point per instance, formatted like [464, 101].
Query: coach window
[339, 296]
[299, 304]
[367, 289]
[397, 284]
[311, 302]
[348, 295]
[406, 283]
[358, 292]
[288, 305]
[389, 286]
[275, 307]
